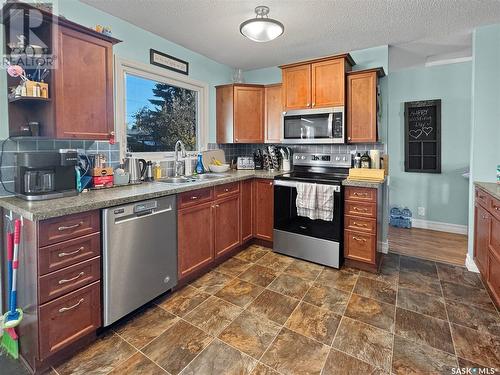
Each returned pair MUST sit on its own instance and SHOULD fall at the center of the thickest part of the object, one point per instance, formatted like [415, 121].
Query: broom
[10, 340]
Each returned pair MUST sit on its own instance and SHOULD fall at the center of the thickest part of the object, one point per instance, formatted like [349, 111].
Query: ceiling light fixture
[261, 28]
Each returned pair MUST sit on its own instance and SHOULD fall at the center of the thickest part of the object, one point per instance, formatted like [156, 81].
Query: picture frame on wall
[423, 136]
[169, 62]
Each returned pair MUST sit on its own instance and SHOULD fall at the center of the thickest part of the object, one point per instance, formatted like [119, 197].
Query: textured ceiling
[312, 27]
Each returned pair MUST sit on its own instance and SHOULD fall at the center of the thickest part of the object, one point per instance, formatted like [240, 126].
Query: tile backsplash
[112, 153]
[235, 150]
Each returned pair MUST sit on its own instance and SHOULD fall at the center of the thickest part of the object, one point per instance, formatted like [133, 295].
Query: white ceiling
[312, 27]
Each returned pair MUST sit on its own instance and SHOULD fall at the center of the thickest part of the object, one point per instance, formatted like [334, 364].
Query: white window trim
[123, 66]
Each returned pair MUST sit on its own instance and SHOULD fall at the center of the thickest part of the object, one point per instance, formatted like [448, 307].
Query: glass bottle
[365, 160]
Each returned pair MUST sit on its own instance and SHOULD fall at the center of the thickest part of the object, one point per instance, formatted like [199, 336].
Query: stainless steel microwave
[319, 125]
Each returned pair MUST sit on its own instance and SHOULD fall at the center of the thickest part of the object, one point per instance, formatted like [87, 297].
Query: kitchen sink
[209, 176]
[200, 177]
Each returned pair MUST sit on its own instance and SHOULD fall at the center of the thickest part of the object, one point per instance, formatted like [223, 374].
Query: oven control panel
[323, 160]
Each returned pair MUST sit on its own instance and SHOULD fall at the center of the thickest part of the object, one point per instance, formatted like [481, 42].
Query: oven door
[286, 217]
[314, 126]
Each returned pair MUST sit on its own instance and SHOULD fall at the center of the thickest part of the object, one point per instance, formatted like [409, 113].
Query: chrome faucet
[178, 164]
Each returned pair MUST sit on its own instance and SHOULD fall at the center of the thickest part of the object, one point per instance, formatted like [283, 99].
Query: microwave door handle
[330, 125]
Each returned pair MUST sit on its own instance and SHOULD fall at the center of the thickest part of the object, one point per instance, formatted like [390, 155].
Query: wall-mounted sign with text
[168, 62]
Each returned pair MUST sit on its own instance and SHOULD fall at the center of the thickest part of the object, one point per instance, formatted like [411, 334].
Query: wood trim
[380, 71]
[345, 56]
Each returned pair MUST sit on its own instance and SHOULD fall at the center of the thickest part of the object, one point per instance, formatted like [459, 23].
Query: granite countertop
[97, 199]
[365, 184]
[490, 187]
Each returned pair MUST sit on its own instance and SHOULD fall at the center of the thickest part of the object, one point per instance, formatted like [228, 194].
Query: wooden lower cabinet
[263, 222]
[481, 237]
[487, 240]
[195, 246]
[246, 210]
[227, 224]
[361, 225]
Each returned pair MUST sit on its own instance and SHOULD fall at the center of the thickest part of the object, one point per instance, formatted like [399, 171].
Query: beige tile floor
[264, 313]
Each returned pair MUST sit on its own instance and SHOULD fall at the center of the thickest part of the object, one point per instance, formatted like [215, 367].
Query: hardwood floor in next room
[429, 244]
[265, 313]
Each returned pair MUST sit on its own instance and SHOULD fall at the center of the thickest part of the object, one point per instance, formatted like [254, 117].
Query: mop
[10, 340]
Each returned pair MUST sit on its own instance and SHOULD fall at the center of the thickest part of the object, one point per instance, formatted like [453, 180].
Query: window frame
[125, 66]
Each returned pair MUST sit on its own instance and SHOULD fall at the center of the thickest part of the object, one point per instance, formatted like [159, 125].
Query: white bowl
[218, 168]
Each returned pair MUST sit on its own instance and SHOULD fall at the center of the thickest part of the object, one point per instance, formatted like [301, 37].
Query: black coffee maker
[258, 159]
[44, 175]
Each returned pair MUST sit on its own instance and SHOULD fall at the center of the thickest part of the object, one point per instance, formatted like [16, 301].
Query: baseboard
[469, 263]
[383, 246]
[439, 226]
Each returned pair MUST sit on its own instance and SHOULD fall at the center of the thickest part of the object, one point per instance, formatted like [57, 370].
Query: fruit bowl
[218, 168]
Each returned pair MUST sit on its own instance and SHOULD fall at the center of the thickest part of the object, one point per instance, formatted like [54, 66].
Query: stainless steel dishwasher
[139, 254]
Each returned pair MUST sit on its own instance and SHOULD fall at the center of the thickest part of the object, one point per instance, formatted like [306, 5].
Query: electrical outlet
[421, 211]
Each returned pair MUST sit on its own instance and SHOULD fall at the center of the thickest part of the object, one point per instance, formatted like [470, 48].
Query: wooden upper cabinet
[83, 86]
[240, 113]
[362, 111]
[248, 114]
[328, 83]
[315, 83]
[297, 87]
[273, 113]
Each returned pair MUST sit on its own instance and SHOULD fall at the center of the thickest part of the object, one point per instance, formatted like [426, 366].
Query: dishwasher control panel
[146, 206]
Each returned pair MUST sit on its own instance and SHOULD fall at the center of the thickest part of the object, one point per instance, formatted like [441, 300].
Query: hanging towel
[324, 197]
[306, 200]
[315, 201]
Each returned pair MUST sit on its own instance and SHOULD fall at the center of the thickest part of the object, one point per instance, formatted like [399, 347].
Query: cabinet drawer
[57, 283]
[227, 189]
[360, 224]
[361, 194]
[191, 198]
[360, 246]
[66, 227]
[482, 198]
[494, 207]
[69, 318]
[361, 209]
[67, 253]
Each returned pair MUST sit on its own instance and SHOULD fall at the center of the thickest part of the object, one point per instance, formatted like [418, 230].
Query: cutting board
[206, 157]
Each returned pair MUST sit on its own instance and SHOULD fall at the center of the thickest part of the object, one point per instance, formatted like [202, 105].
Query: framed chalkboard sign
[423, 136]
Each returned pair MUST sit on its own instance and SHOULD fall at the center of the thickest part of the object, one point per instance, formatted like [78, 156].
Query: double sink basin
[197, 178]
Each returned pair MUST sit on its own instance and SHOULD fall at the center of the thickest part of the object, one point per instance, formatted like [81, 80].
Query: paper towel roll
[375, 156]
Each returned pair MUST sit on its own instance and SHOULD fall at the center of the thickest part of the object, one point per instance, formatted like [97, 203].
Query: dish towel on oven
[315, 201]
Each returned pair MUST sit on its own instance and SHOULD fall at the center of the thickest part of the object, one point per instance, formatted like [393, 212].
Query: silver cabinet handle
[359, 225]
[65, 281]
[226, 190]
[484, 216]
[62, 255]
[62, 228]
[358, 239]
[360, 209]
[194, 197]
[497, 208]
[216, 205]
[271, 184]
[360, 194]
[63, 309]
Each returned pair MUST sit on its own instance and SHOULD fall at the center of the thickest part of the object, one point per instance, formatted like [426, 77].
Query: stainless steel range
[318, 240]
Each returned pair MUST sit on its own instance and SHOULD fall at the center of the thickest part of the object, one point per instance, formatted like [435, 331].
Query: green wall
[135, 46]
[443, 195]
[485, 135]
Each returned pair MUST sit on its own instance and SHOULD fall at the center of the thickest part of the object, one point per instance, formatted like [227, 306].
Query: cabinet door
[297, 87]
[362, 107]
[84, 86]
[227, 224]
[274, 110]
[246, 210]
[493, 280]
[248, 114]
[195, 238]
[360, 246]
[328, 83]
[481, 238]
[263, 209]
[224, 97]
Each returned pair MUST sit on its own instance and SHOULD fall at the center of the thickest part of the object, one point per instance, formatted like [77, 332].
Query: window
[156, 108]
